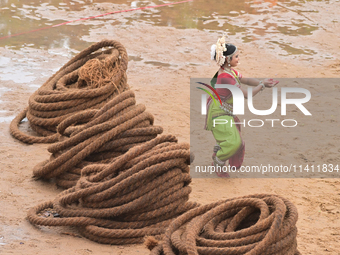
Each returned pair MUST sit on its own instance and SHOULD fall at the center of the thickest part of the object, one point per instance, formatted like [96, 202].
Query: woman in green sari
[229, 143]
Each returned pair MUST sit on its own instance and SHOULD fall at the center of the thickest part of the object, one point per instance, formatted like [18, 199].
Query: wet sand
[163, 59]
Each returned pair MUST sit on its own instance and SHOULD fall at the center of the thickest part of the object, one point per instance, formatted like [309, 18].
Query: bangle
[262, 84]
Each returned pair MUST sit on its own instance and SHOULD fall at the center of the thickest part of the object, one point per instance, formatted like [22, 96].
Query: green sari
[227, 136]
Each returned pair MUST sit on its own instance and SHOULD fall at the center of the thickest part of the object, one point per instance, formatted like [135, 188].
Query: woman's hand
[269, 83]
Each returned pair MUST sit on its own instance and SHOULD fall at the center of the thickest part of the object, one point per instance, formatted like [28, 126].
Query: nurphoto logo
[238, 104]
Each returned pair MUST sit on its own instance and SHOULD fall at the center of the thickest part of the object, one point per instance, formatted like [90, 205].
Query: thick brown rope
[108, 133]
[124, 182]
[251, 225]
[138, 194]
[87, 81]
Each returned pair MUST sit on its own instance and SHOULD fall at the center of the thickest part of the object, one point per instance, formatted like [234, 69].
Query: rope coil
[137, 194]
[125, 181]
[108, 133]
[252, 225]
[87, 81]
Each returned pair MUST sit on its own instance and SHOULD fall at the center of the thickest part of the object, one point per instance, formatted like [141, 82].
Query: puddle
[9, 70]
[4, 89]
[135, 58]
[34, 86]
[159, 64]
[21, 69]
[4, 61]
[250, 20]
[198, 64]
[6, 119]
[18, 76]
[294, 51]
[154, 63]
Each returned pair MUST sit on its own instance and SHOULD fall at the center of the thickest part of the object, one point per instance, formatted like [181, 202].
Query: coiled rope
[253, 225]
[87, 81]
[107, 133]
[124, 182]
[135, 195]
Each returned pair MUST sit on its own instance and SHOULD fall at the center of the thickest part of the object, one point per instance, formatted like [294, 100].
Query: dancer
[229, 143]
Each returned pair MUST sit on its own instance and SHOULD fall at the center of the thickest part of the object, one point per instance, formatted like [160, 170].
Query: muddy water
[270, 20]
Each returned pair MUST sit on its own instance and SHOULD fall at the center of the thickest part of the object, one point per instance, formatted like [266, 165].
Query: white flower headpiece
[218, 49]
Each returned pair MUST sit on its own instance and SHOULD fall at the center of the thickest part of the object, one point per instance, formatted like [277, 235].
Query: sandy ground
[161, 82]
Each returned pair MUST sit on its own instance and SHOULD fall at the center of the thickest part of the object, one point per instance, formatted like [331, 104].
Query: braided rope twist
[138, 194]
[124, 181]
[252, 225]
[107, 133]
[87, 81]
